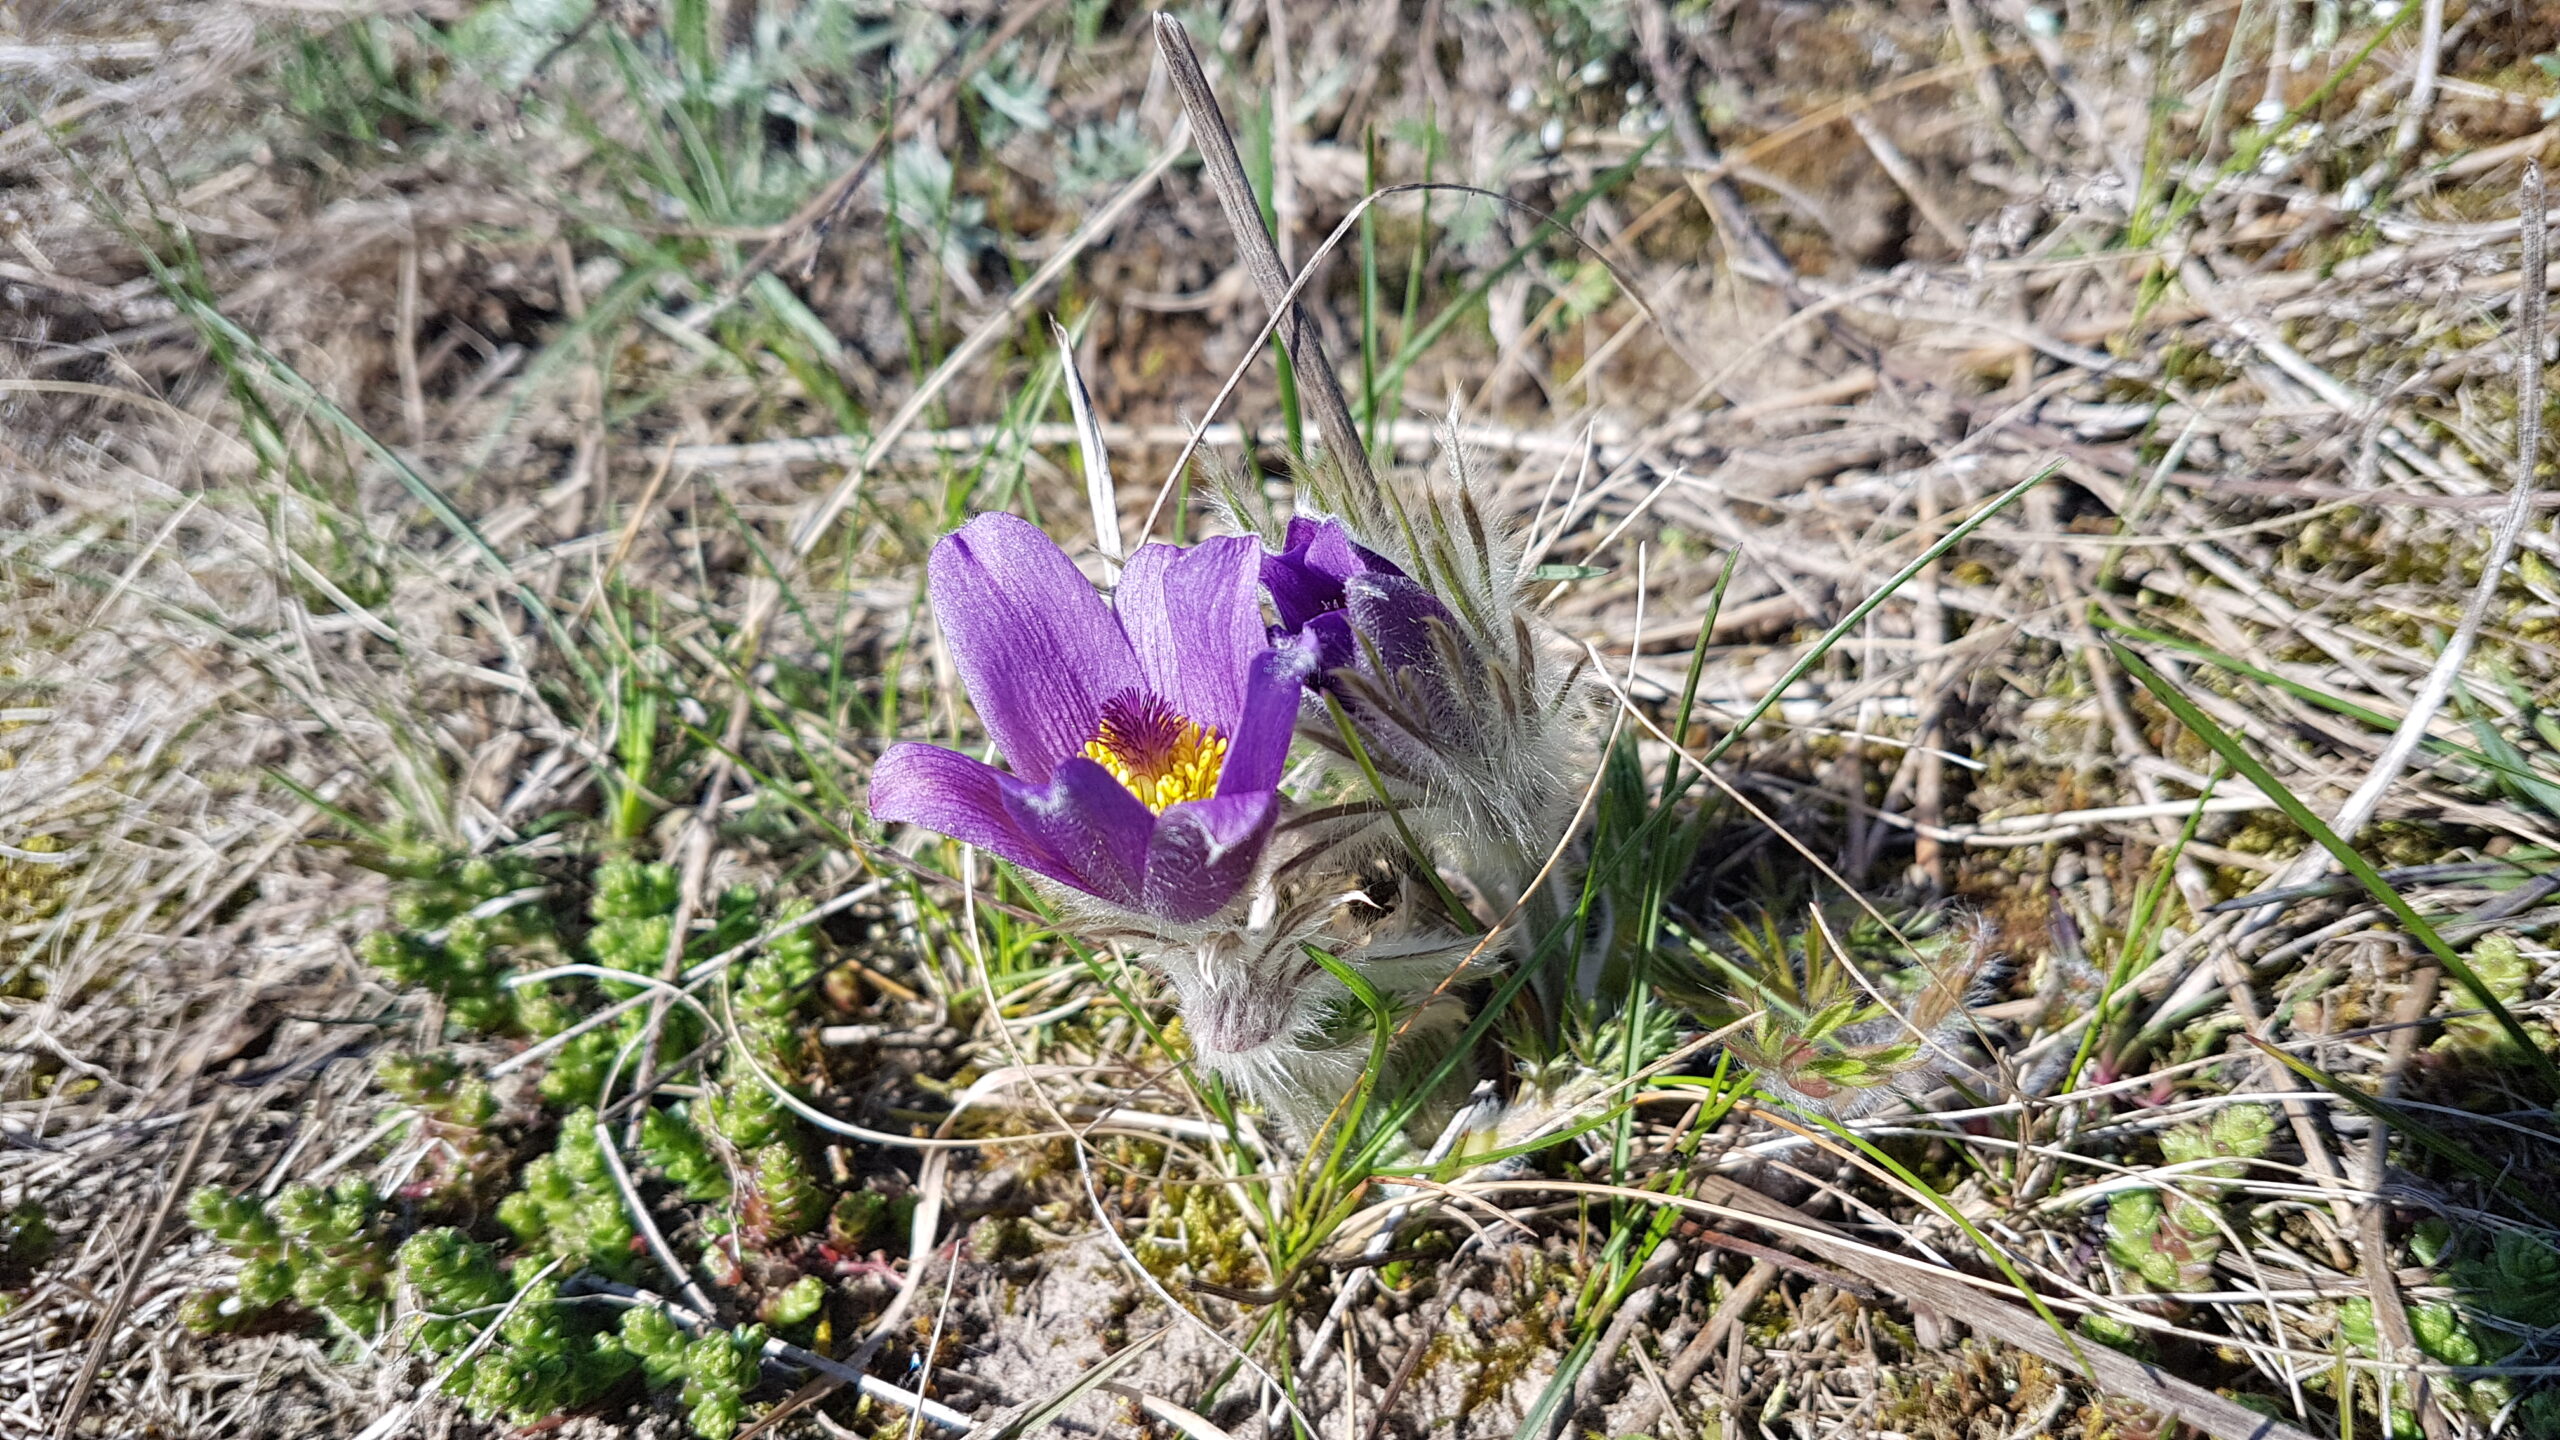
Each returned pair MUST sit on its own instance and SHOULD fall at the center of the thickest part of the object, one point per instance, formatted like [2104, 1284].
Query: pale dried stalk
[1217, 145]
[2431, 695]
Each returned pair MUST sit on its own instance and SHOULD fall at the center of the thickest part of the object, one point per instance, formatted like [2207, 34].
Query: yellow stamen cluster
[1162, 758]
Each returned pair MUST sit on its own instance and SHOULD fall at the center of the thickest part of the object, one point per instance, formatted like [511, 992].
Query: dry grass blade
[1102, 494]
[2531, 291]
[1217, 144]
[137, 1263]
[1948, 1293]
[814, 525]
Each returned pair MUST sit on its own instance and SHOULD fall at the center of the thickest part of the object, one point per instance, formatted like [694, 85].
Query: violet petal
[1323, 645]
[1306, 578]
[1204, 851]
[1259, 749]
[1037, 648]
[1098, 831]
[945, 791]
[1402, 628]
[1194, 616]
[1395, 615]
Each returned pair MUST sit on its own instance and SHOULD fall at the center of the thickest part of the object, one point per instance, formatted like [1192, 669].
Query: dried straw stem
[1225, 169]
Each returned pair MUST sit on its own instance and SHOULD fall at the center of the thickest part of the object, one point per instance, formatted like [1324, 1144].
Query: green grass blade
[2239, 758]
[2507, 764]
[1928, 1195]
[2464, 1157]
[1382, 1033]
[2138, 933]
[1866, 607]
[291, 381]
[1413, 345]
[1698, 665]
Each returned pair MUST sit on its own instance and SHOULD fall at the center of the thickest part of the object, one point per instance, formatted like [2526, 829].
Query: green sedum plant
[458, 927]
[2443, 1334]
[857, 1221]
[719, 1368]
[2509, 1287]
[716, 1368]
[771, 986]
[675, 1149]
[797, 1303]
[325, 1251]
[2472, 1035]
[784, 1199]
[743, 1111]
[634, 913]
[2517, 1279]
[570, 1206]
[455, 1281]
[2169, 1240]
[545, 1357]
[482, 1296]
[2167, 1247]
[458, 1110]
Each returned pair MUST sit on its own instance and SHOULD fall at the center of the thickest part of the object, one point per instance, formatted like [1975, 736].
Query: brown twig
[1907, 178]
[1705, 173]
[1820, 1274]
[1408, 1368]
[1725, 1320]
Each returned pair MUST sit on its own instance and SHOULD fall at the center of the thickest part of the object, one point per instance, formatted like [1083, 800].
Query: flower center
[1162, 758]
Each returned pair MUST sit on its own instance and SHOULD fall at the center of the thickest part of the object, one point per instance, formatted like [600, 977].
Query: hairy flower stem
[1459, 914]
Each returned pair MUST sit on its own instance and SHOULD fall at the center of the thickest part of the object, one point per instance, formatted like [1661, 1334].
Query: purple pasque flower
[1145, 738]
[1309, 581]
[1384, 643]
[1473, 731]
